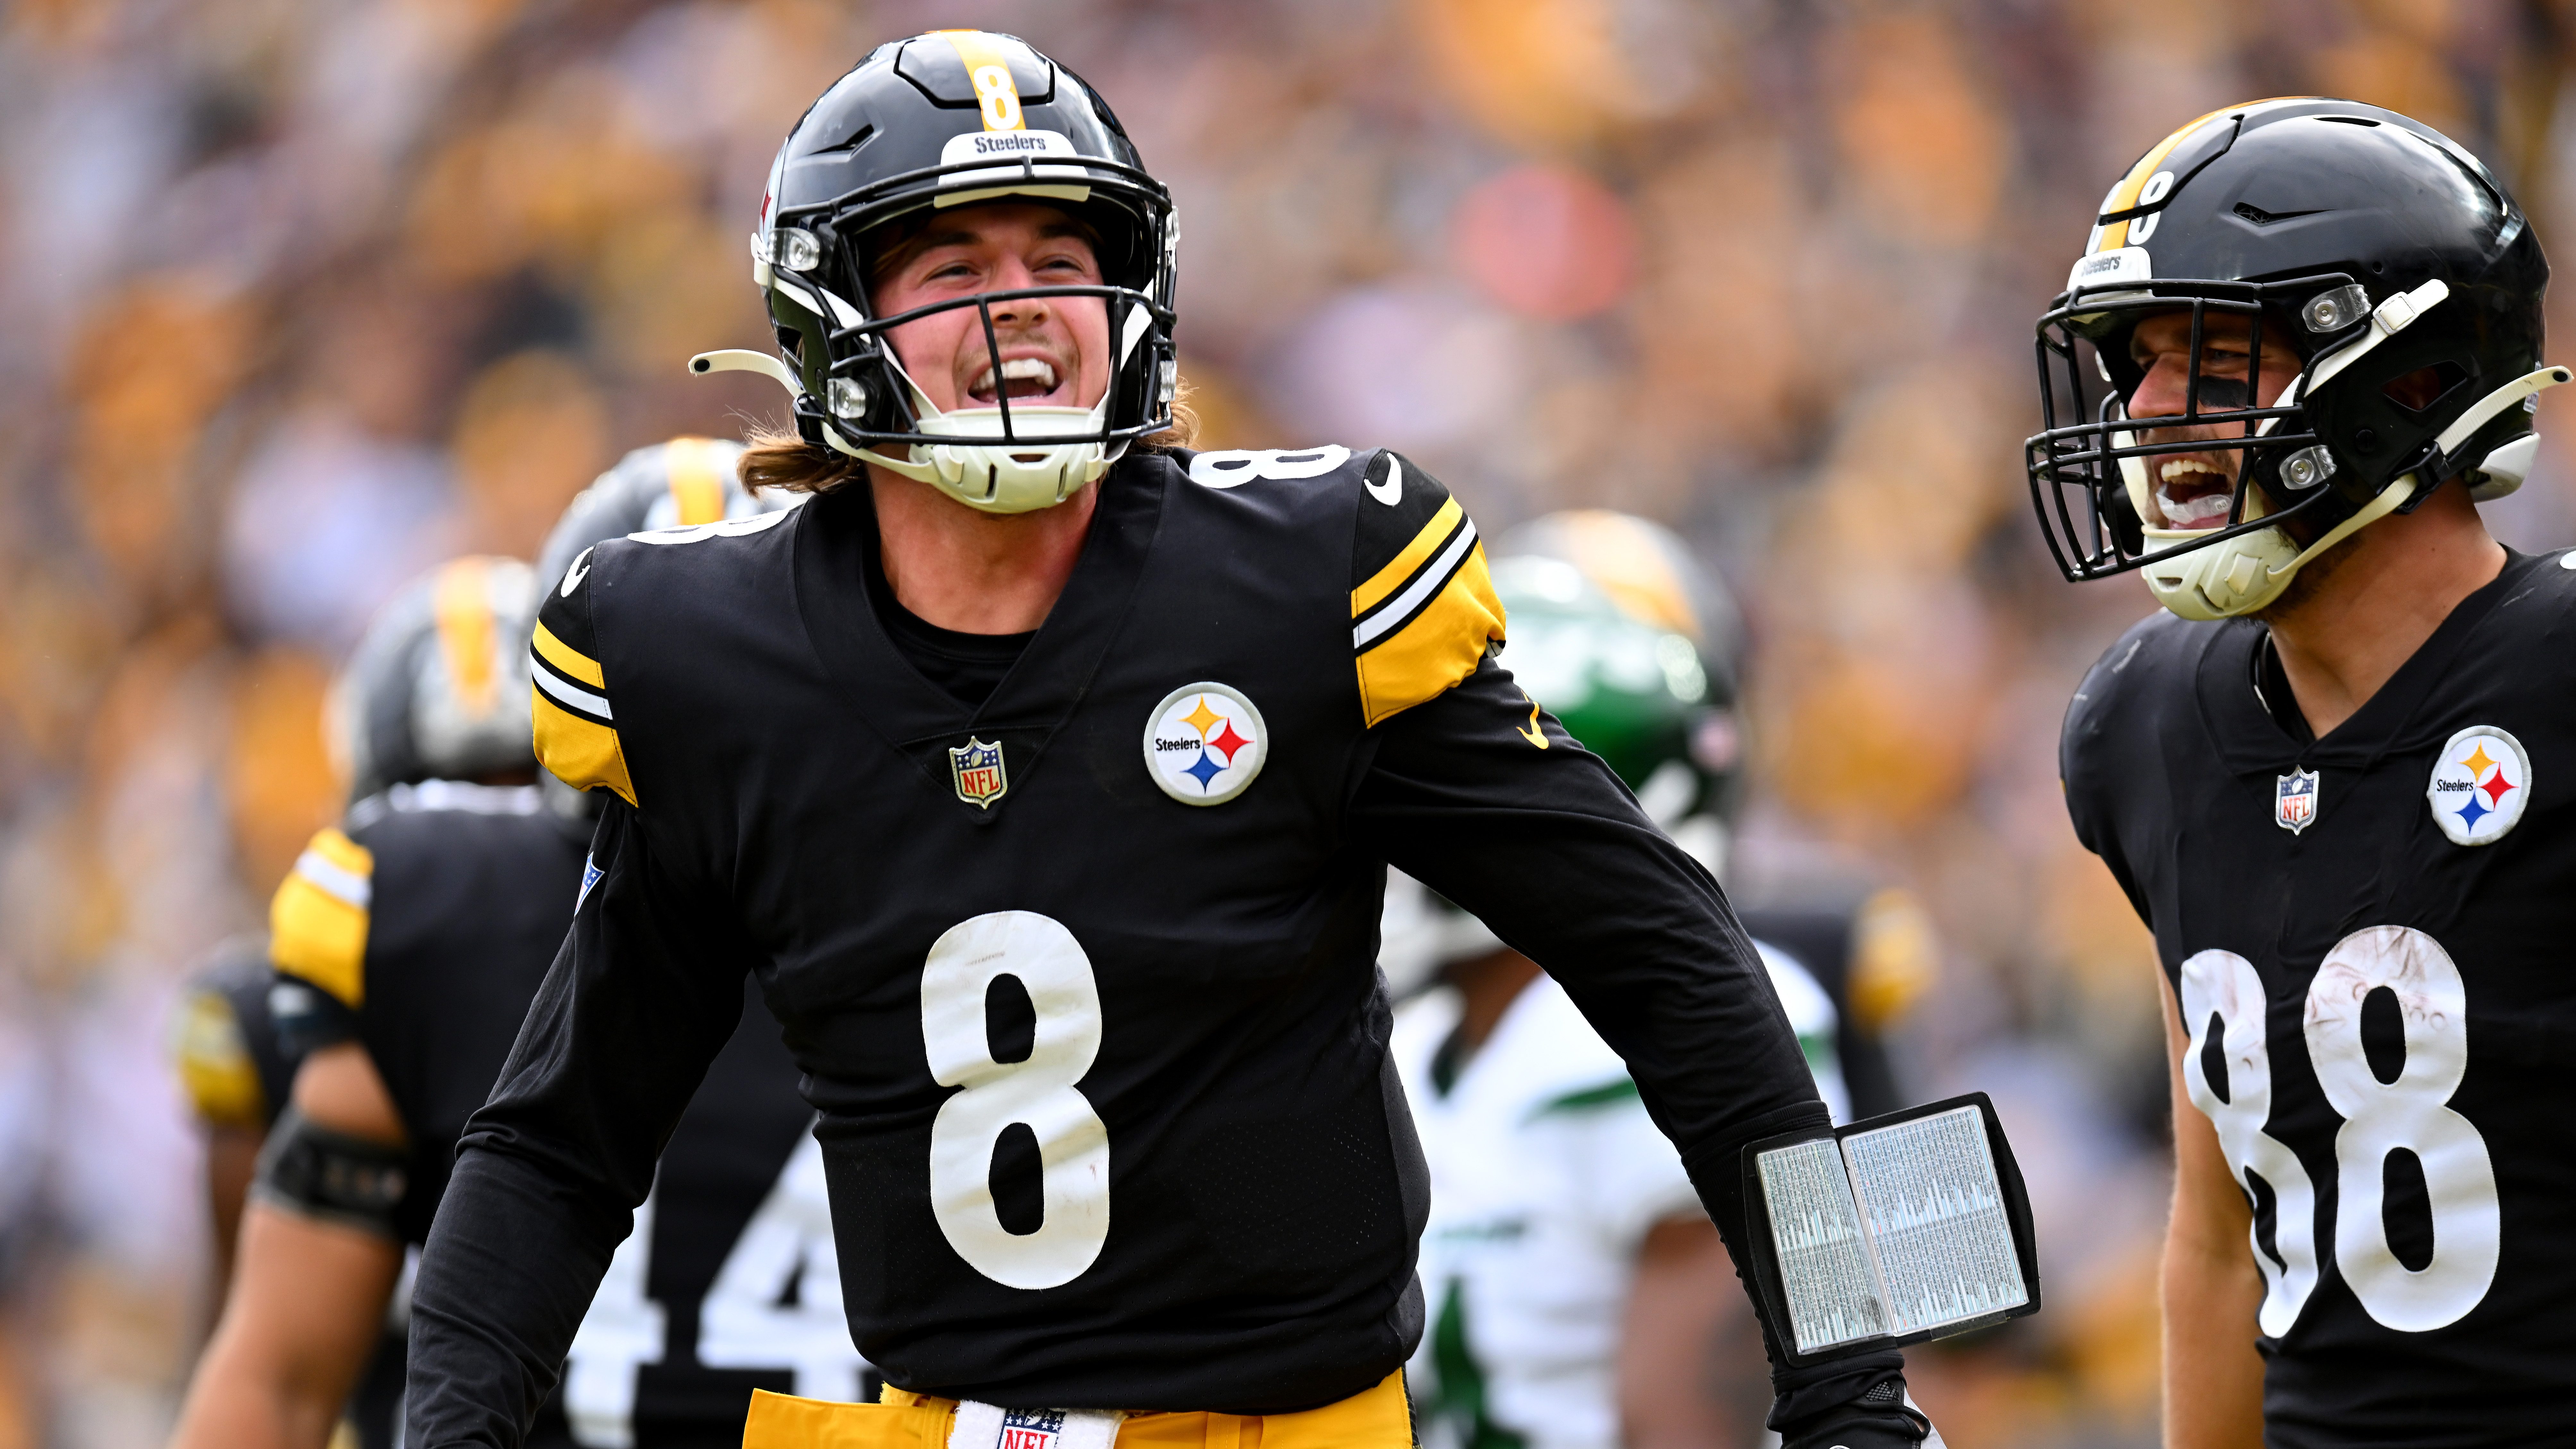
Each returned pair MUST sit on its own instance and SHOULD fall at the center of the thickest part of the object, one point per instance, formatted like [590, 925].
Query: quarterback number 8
[1037, 1092]
[2409, 1113]
[998, 97]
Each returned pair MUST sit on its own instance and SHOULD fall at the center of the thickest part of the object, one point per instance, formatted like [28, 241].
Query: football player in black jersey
[408, 943]
[1044, 776]
[2331, 774]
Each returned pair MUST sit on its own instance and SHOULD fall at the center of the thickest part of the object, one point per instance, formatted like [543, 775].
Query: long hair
[775, 457]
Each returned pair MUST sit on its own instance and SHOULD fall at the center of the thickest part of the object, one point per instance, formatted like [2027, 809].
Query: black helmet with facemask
[947, 119]
[2388, 260]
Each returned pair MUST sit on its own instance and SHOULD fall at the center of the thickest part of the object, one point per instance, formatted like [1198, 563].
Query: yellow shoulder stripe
[582, 753]
[317, 922]
[1402, 567]
[564, 657]
[215, 1065]
[1438, 647]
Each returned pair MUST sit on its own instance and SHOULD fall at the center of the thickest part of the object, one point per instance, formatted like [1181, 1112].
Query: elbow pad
[316, 1172]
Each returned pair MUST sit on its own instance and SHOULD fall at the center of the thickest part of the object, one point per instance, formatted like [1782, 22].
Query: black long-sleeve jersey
[1082, 979]
[422, 931]
[2367, 935]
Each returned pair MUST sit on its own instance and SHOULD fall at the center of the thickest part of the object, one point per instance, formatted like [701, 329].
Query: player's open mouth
[1026, 379]
[2192, 493]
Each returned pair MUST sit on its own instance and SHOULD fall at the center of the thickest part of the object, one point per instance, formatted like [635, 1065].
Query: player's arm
[317, 1263]
[1483, 797]
[2213, 1385]
[644, 993]
[1684, 1333]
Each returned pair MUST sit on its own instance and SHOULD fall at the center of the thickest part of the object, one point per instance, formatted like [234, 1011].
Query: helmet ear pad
[2363, 414]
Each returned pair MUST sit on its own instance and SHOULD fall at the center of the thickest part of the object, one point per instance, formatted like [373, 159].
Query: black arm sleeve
[645, 992]
[1551, 851]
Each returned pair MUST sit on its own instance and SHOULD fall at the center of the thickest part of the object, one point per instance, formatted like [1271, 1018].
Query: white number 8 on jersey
[1039, 1093]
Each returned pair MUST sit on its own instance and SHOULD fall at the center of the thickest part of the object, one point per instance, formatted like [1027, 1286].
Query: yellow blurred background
[302, 296]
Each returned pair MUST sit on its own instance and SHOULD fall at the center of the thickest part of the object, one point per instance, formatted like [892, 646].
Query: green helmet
[1631, 692]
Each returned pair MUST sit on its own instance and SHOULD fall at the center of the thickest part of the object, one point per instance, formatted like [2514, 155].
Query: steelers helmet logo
[1204, 743]
[2481, 782]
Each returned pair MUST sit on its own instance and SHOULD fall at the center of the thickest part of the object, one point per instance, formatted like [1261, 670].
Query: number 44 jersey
[1082, 978]
[2369, 935]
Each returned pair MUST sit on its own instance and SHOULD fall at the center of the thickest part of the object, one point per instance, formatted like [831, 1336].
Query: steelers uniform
[1081, 976]
[422, 931]
[2367, 934]
[1546, 1175]
[230, 1062]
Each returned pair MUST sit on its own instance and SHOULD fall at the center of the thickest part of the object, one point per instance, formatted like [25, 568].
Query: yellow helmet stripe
[2125, 195]
[988, 68]
[461, 602]
[697, 480]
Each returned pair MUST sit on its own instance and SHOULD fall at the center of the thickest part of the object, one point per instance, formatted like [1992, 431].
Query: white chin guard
[988, 477]
[1000, 477]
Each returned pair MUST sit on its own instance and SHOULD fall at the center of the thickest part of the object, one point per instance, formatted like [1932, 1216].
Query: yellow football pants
[1373, 1419]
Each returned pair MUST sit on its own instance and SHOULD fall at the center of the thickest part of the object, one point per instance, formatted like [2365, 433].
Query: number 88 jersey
[2367, 938]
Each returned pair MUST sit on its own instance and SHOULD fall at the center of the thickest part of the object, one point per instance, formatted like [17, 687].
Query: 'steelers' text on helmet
[944, 119]
[2388, 259]
[438, 687]
[684, 483]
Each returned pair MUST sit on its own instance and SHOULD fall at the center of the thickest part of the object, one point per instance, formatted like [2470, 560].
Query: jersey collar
[2251, 741]
[836, 545]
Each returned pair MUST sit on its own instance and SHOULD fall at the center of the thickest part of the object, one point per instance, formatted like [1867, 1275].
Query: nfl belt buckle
[986, 1426]
[977, 769]
[2295, 800]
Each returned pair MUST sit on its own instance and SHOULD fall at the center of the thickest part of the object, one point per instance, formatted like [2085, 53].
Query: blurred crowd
[303, 296]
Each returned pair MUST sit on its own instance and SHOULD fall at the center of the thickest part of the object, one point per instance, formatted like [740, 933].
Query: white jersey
[1545, 1175]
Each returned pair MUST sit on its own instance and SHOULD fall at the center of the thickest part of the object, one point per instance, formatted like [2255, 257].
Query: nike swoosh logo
[1390, 490]
[573, 576]
[1532, 733]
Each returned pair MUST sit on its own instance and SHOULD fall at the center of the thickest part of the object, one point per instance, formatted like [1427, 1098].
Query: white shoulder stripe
[335, 881]
[580, 699]
[1426, 583]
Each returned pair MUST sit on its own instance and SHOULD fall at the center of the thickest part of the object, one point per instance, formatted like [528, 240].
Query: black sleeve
[1545, 845]
[644, 993]
[2084, 751]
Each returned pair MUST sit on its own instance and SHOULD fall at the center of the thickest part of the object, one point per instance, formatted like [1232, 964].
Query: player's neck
[2399, 578]
[976, 573]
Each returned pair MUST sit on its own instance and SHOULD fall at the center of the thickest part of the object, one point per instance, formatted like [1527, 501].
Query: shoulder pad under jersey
[576, 728]
[1423, 610]
[317, 922]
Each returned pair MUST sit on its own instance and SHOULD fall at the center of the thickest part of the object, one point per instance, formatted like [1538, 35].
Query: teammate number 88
[2409, 1113]
[1037, 1092]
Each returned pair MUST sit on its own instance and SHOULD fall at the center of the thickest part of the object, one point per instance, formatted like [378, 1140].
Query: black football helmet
[684, 483]
[2391, 262]
[943, 119]
[438, 687]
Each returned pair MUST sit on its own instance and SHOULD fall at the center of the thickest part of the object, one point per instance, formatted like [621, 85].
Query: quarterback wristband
[1903, 1228]
[317, 1172]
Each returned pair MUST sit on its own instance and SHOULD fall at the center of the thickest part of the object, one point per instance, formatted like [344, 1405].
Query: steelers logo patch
[2481, 782]
[1204, 743]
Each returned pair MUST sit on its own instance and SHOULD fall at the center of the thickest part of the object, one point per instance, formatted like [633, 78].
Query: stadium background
[301, 296]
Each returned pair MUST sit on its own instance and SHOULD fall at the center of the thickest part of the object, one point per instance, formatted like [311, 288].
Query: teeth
[1019, 368]
[2177, 467]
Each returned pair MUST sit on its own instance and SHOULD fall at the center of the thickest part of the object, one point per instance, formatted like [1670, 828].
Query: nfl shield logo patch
[2296, 802]
[977, 768]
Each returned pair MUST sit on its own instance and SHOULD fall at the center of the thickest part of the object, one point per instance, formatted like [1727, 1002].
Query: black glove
[1883, 1418]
